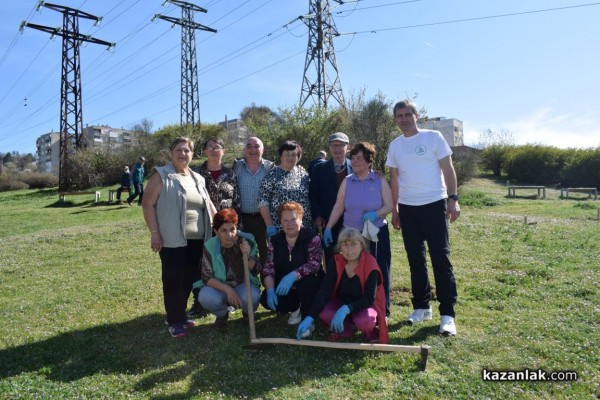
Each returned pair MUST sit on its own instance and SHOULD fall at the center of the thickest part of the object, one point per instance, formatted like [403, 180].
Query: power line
[472, 19]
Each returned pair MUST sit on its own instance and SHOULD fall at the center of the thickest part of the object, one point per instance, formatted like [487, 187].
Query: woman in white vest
[178, 212]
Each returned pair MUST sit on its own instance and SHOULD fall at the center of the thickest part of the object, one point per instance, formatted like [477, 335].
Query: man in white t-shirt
[423, 183]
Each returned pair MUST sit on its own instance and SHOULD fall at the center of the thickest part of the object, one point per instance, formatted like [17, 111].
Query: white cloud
[545, 126]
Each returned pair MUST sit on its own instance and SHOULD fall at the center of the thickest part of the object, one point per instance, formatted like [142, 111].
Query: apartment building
[451, 129]
[100, 138]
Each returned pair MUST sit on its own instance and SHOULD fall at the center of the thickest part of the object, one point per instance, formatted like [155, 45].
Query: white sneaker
[308, 332]
[447, 326]
[295, 317]
[419, 315]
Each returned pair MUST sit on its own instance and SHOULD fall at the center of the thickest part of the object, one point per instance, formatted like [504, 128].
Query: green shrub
[39, 180]
[466, 165]
[536, 164]
[8, 182]
[477, 199]
[582, 169]
[494, 157]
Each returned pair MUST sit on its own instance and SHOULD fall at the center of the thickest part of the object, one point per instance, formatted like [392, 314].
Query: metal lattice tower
[190, 95]
[321, 80]
[71, 123]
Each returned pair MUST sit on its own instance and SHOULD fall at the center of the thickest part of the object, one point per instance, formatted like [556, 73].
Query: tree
[7, 158]
[255, 115]
[144, 127]
[496, 147]
[373, 122]
[309, 126]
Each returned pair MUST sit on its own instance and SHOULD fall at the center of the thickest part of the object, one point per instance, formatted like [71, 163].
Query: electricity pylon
[190, 95]
[321, 80]
[71, 124]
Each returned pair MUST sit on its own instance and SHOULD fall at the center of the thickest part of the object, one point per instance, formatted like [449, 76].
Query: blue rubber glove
[272, 299]
[327, 237]
[304, 326]
[337, 323]
[370, 216]
[271, 230]
[286, 283]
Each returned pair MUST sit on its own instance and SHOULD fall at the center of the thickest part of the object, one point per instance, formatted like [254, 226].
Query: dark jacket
[282, 259]
[323, 189]
[313, 164]
[125, 179]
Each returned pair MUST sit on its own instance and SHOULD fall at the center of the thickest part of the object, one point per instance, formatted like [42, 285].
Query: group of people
[133, 179]
[283, 225]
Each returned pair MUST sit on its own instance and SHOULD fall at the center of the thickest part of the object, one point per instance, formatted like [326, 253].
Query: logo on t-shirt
[420, 150]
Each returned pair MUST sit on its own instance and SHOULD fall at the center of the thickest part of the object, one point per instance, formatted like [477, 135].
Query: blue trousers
[215, 301]
[428, 223]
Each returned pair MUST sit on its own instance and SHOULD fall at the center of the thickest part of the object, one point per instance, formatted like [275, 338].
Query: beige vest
[171, 207]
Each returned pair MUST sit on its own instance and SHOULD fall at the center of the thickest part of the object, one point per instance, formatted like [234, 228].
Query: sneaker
[419, 315]
[221, 322]
[177, 330]
[190, 323]
[308, 332]
[196, 311]
[295, 317]
[447, 326]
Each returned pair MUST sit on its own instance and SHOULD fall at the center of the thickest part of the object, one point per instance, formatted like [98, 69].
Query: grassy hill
[82, 314]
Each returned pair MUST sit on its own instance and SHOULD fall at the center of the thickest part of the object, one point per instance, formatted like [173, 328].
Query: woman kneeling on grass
[353, 286]
[292, 272]
[222, 273]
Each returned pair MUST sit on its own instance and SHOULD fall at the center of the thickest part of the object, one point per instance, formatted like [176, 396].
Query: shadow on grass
[33, 194]
[213, 361]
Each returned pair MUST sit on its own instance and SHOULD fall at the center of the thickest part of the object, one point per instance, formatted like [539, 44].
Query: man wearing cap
[324, 184]
[137, 179]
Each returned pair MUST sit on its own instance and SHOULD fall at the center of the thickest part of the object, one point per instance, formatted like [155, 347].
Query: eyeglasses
[214, 148]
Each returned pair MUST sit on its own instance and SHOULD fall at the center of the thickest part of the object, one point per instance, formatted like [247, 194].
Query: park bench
[62, 195]
[113, 192]
[564, 192]
[540, 189]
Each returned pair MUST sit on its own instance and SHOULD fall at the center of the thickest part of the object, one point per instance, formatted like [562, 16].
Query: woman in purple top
[365, 196]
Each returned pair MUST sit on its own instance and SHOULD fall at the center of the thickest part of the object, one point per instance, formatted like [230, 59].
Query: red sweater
[366, 264]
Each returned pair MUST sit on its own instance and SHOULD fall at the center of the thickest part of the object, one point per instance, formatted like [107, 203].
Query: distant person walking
[137, 179]
[125, 182]
[423, 183]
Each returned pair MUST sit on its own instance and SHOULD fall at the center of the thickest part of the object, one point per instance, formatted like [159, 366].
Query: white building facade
[451, 129]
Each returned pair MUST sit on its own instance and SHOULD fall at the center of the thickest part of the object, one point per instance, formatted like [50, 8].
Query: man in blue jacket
[137, 178]
[324, 184]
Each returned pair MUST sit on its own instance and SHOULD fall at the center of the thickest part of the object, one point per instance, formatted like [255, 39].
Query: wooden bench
[62, 195]
[113, 192]
[540, 189]
[564, 192]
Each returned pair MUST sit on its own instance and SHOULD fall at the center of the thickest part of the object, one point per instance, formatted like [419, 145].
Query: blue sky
[527, 66]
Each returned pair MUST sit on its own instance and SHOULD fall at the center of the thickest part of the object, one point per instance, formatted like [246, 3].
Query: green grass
[82, 315]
